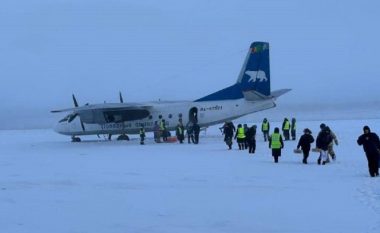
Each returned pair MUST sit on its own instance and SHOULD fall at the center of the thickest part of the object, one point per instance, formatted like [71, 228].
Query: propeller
[121, 97]
[76, 105]
[75, 101]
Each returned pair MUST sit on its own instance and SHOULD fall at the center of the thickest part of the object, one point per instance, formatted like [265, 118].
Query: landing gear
[75, 139]
[123, 137]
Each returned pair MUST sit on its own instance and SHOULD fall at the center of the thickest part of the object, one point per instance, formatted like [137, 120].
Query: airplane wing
[108, 113]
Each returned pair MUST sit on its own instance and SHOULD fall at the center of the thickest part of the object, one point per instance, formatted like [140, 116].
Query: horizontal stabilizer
[277, 93]
[256, 96]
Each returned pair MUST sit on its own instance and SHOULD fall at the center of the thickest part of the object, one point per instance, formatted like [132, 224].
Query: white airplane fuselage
[208, 113]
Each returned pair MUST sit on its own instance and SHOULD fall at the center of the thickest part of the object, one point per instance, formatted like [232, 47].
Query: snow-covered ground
[48, 184]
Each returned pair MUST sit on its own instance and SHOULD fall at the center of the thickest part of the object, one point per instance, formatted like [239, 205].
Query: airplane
[251, 93]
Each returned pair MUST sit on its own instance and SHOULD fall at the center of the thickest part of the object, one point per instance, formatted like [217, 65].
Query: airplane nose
[59, 128]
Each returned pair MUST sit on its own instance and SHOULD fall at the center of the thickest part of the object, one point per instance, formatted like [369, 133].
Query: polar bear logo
[256, 75]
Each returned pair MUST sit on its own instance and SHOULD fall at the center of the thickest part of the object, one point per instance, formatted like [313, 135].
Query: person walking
[293, 129]
[371, 145]
[240, 137]
[286, 128]
[305, 143]
[323, 140]
[330, 149]
[228, 132]
[276, 143]
[251, 139]
[265, 127]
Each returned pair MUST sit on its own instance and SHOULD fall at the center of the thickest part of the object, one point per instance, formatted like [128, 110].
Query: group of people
[161, 132]
[288, 129]
[246, 139]
[324, 144]
[192, 131]
[244, 135]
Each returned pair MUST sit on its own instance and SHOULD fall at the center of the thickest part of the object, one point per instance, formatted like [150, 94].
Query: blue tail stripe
[254, 75]
[231, 92]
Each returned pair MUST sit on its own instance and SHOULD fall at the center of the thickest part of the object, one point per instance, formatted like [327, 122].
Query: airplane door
[193, 115]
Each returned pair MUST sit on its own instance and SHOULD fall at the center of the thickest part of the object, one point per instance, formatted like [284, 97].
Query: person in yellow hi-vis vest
[265, 127]
[240, 136]
[286, 128]
[276, 143]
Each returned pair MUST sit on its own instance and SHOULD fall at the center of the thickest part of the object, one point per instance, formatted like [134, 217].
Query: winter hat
[366, 128]
[276, 130]
[322, 126]
[307, 131]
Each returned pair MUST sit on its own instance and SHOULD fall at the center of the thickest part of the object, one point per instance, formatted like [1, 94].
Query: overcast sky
[326, 51]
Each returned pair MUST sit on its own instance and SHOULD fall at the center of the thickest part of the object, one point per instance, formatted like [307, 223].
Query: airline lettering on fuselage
[212, 108]
[116, 126]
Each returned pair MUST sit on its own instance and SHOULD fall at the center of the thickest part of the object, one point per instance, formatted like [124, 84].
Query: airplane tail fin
[254, 76]
[255, 73]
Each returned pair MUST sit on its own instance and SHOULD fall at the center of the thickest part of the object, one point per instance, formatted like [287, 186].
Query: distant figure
[286, 128]
[251, 139]
[190, 132]
[196, 130]
[293, 129]
[245, 126]
[180, 132]
[265, 127]
[323, 140]
[228, 132]
[304, 143]
[330, 149]
[371, 146]
[276, 143]
[163, 130]
[240, 137]
[142, 135]
[157, 132]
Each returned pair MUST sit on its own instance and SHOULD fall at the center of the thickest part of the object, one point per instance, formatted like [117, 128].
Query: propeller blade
[121, 97]
[81, 123]
[75, 101]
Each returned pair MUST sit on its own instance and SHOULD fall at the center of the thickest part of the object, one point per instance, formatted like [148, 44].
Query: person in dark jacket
[250, 138]
[142, 135]
[293, 129]
[190, 132]
[228, 132]
[276, 143]
[246, 128]
[197, 130]
[304, 143]
[323, 140]
[371, 146]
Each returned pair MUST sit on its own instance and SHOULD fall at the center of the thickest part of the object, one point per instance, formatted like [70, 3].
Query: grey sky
[323, 50]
